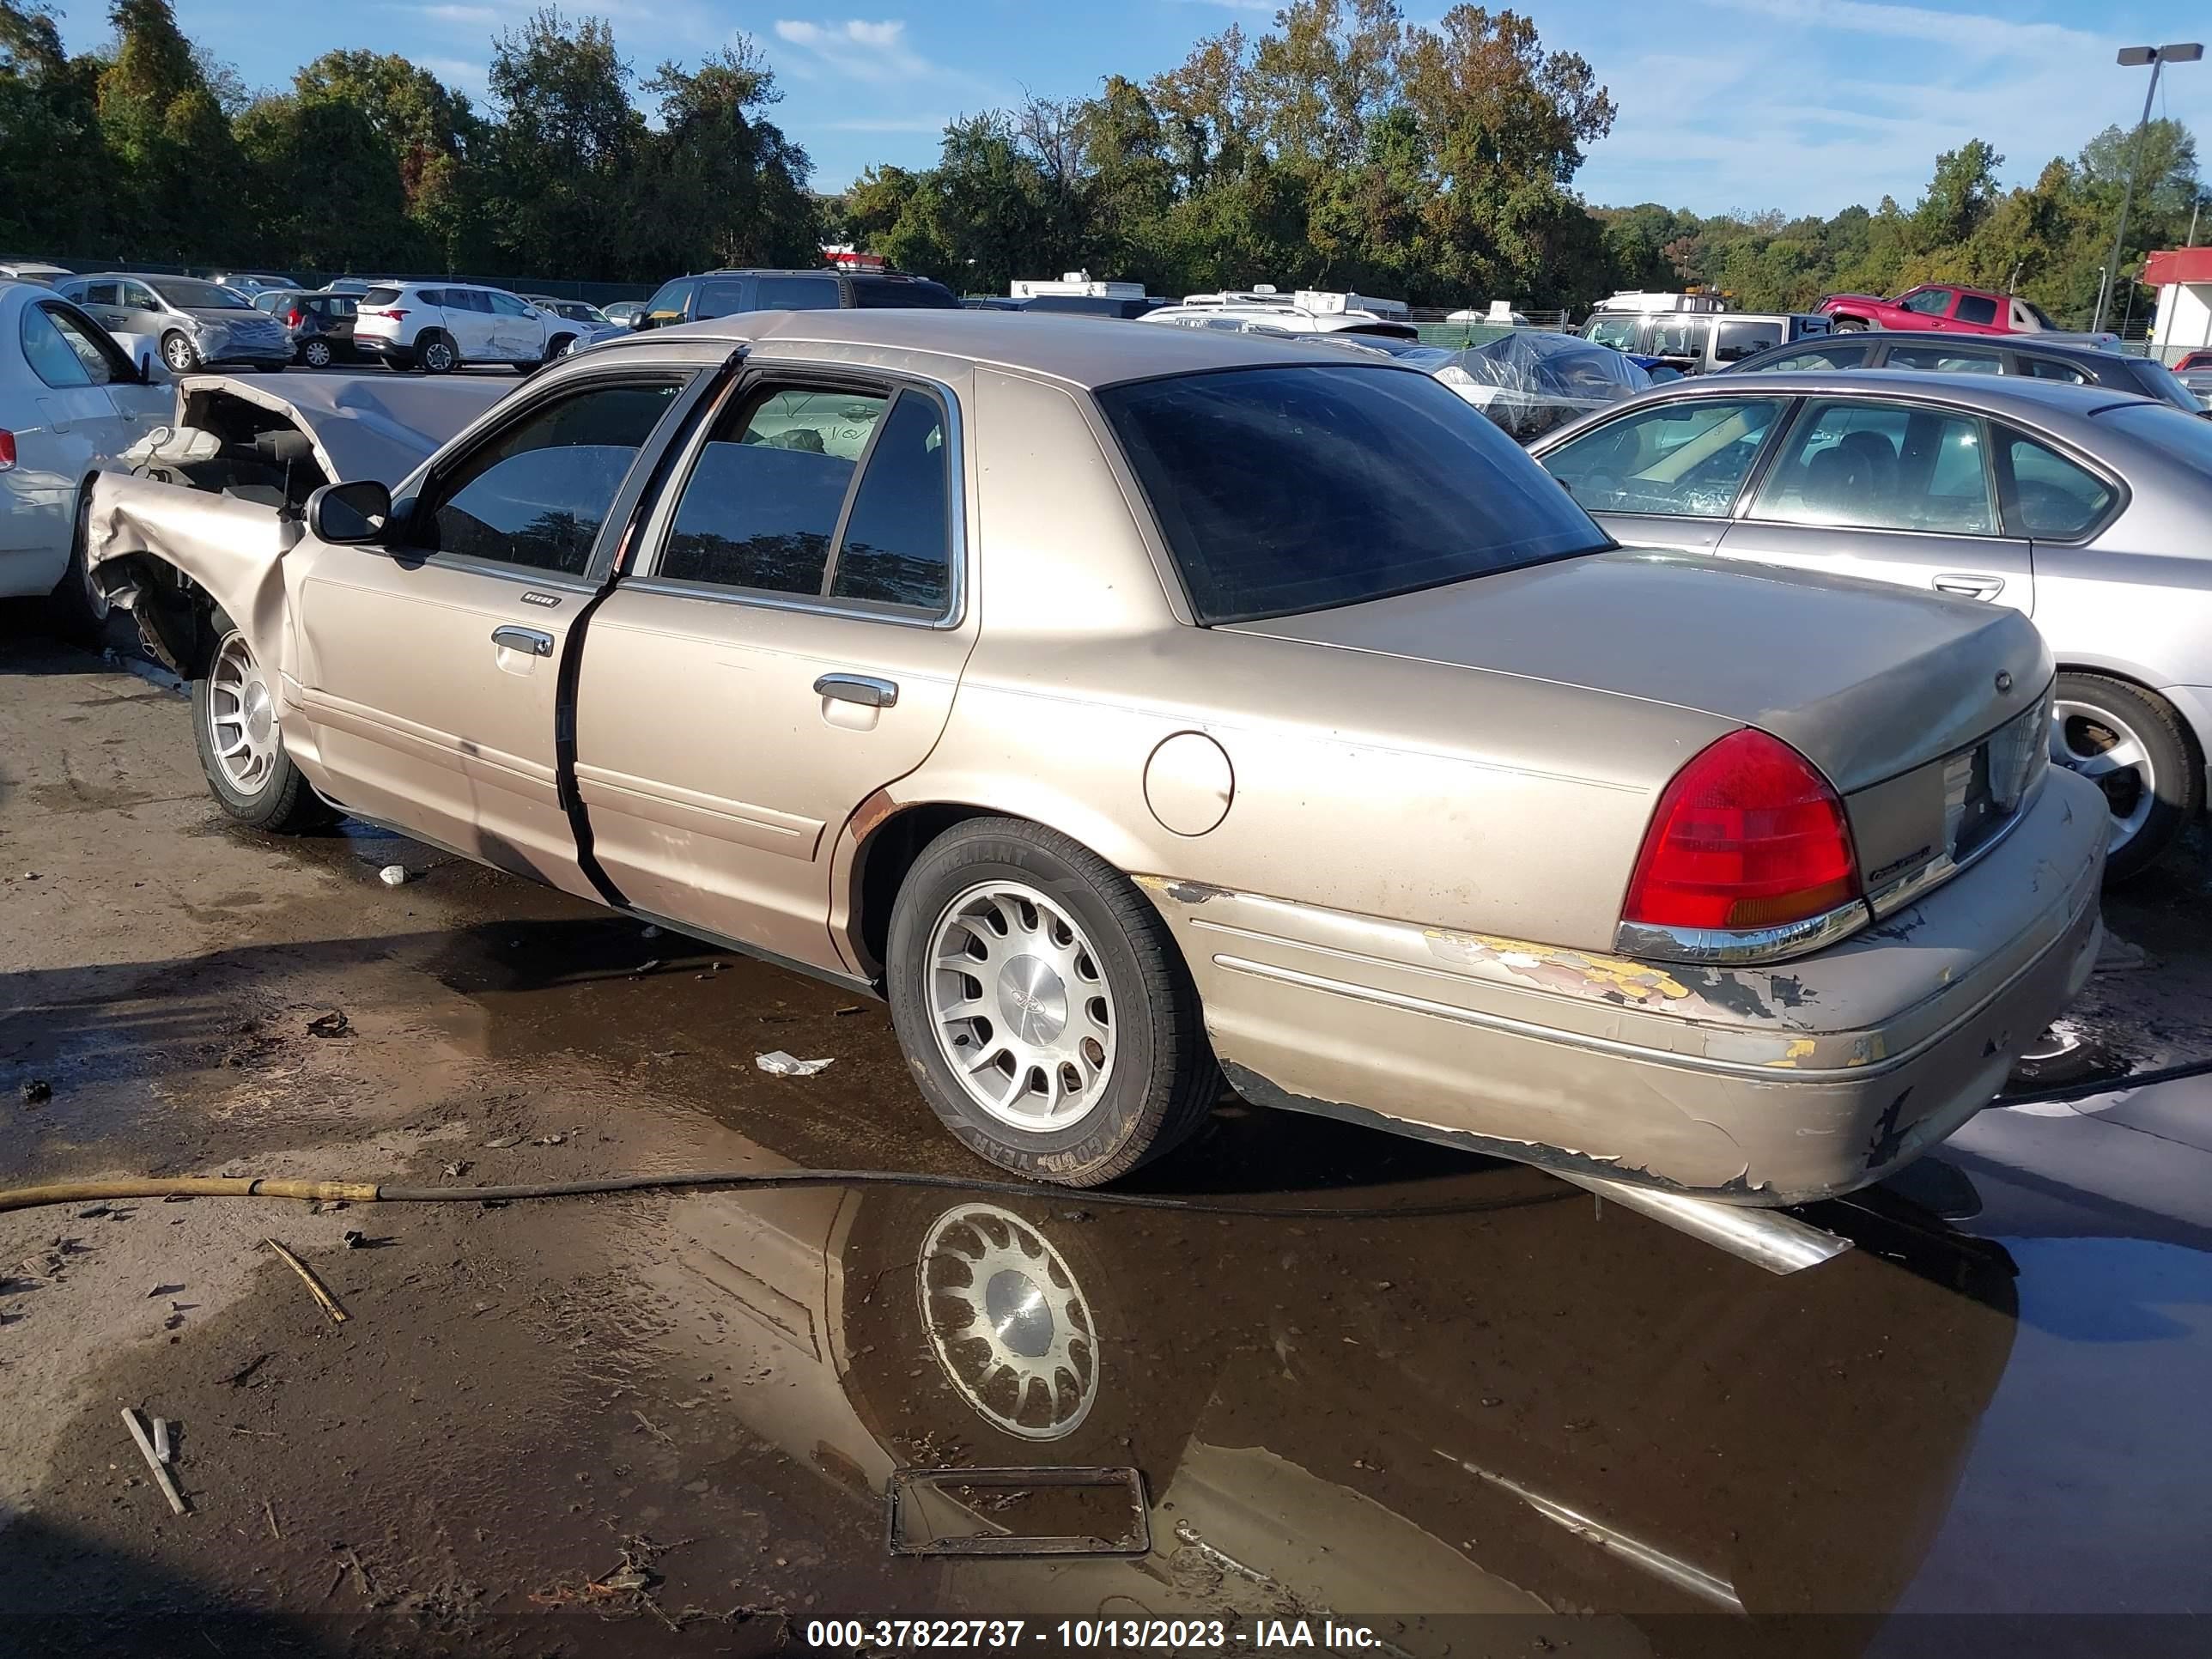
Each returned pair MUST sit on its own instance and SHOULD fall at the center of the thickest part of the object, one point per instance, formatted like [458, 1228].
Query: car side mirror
[350, 513]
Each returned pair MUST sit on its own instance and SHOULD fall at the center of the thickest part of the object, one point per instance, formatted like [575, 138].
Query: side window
[1928, 301]
[1949, 360]
[103, 363]
[761, 507]
[2056, 499]
[669, 300]
[796, 294]
[1678, 337]
[1686, 459]
[428, 296]
[1842, 354]
[1619, 332]
[2051, 368]
[536, 494]
[1733, 339]
[47, 350]
[506, 305]
[1977, 308]
[100, 294]
[897, 547]
[1882, 466]
[722, 298]
[468, 299]
[138, 297]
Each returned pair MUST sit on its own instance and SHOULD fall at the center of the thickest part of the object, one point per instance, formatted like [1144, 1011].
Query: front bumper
[1760, 1085]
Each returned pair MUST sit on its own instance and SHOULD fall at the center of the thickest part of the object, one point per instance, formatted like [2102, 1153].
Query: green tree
[180, 176]
[724, 185]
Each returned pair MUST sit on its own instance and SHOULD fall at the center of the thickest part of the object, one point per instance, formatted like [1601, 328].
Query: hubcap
[1008, 1323]
[179, 353]
[2101, 746]
[319, 355]
[244, 717]
[1020, 1006]
[436, 355]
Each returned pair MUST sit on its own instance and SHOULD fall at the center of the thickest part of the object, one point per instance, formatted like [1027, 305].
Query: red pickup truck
[1942, 306]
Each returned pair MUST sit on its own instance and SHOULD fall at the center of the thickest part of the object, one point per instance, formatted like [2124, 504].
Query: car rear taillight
[394, 315]
[7, 449]
[1748, 837]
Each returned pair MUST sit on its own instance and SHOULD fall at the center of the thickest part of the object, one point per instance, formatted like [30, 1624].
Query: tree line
[1343, 147]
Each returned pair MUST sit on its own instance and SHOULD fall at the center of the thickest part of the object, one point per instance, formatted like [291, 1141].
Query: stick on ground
[146, 1447]
[307, 1278]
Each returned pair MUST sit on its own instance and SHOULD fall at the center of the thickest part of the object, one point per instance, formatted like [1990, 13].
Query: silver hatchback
[2082, 507]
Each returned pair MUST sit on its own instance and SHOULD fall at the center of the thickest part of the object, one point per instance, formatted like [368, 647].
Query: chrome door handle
[863, 689]
[529, 641]
[1969, 588]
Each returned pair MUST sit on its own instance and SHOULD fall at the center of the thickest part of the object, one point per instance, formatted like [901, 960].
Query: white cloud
[457, 70]
[1967, 31]
[875, 53]
[469, 15]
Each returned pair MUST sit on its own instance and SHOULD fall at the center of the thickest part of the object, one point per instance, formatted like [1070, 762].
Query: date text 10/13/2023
[1080, 1635]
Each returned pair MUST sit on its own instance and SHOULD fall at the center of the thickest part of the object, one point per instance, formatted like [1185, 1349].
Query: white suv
[438, 327]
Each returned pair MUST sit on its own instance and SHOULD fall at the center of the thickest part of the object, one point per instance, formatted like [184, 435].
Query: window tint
[1687, 457]
[897, 547]
[1733, 339]
[720, 299]
[1619, 332]
[1949, 360]
[1977, 308]
[384, 296]
[1679, 337]
[1287, 489]
[468, 299]
[2053, 368]
[761, 504]
[871, 293]
[2056, 498]
[506, 305]
[1929, 302]
[536, 494]
[98, 294]
[1882, 466]
[797, 294]
[50, 353]
[1844, 354]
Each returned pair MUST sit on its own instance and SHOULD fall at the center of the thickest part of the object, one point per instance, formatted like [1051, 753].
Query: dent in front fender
[233, 549]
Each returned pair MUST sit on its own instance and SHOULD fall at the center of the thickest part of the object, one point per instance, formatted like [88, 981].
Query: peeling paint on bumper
[1763, 1087]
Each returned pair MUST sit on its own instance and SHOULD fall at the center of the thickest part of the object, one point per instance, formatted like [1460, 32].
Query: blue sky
[1803, 105]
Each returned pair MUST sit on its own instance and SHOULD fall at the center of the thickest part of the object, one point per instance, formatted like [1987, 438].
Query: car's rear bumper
[376, 345]
[1767, 1086]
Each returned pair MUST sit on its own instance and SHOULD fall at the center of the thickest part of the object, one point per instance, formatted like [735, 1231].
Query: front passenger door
[1669, 474]
[430, 668]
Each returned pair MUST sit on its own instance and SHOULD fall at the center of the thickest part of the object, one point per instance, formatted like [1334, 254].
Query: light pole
[2186, 52]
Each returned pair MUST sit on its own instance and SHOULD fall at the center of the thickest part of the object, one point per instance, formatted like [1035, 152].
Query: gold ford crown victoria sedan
[1131, 706]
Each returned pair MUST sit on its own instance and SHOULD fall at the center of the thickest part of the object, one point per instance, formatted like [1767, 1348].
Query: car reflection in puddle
[1549, 1410]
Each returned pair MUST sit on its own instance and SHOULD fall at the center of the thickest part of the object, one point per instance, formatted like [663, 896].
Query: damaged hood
[361, 426]
[1865, 679]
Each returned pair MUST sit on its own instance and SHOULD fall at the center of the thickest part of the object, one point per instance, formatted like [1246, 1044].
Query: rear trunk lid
[1865, 680]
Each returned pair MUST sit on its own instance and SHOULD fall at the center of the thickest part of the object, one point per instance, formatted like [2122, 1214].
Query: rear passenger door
[468, 320]
[787, 645]
[1893, 491]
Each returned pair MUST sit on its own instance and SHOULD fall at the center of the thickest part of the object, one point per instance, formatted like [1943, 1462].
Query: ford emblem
[2004, 679]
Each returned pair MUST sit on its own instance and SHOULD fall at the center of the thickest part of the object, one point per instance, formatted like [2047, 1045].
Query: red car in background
[1944, 307]
[2198, 359]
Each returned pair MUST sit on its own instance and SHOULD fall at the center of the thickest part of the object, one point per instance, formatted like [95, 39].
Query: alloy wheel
[437, 357]
[177, 351]
[243, 714]
[2098, 744]
[1008, 1323]
[1020, 1006]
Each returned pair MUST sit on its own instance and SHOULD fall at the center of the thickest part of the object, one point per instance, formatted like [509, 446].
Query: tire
[180, 354]
[316, 353]
[77, 610]
[271, 795]
[557, 348]
[2158, 784]
[1847, 326]
[435, 354]
[1083, 1101]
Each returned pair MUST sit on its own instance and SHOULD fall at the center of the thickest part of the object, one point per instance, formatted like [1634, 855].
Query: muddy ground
[1452, 1401]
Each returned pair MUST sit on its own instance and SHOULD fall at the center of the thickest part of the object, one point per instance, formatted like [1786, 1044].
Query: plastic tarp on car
[1532, 380]
[361, 426]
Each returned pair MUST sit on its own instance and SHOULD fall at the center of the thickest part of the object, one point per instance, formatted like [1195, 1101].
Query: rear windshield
[190, 294]
[2162, 383]
[870, 292]
[2187, 438]
[1284, 490]
[383, 296]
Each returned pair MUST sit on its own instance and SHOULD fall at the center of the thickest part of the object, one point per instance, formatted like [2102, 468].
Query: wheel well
[555, 344]
[880, 867]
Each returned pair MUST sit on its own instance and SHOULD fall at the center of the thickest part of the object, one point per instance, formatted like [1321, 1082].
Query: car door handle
[863, 689]
[1969, 588]
[529, 642]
